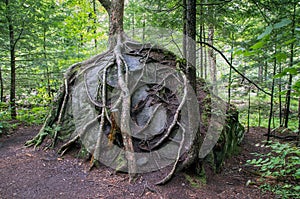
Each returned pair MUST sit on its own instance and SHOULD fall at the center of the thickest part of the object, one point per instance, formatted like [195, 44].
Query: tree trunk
[205, 54]
[12, 43]
[260, 73]
[184, 26]
[115, 10]
[290, 81]
[191, 42]
[230, 70]
[280, 96]
[298, 119]
[272, 98]
[47, 75]
[1, 86]
[212, 56]
[201, 40]
[95, 23]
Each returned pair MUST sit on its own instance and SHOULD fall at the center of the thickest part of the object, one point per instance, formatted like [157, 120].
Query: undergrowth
[279, 169]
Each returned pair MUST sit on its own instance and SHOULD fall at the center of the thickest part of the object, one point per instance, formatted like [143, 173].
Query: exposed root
[62, 109]
[63, 149]
[102, 117]
[175, 119]
[169, 176]
[119, 107]
[147, 187]
[37, 140]
[125, 112]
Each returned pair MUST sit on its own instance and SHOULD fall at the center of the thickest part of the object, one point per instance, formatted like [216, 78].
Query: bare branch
[236, 70]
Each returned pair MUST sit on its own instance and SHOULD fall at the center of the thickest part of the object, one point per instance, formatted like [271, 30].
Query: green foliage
[34, 115]
[282, 163]
[196, 181]
[5, 125]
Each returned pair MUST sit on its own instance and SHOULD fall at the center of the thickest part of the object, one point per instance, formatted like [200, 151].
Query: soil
[35, 173]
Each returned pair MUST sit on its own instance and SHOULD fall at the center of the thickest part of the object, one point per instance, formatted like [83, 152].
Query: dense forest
[248, 48]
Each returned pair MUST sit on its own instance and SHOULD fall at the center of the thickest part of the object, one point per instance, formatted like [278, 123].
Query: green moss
[83, 152]
[196, 181]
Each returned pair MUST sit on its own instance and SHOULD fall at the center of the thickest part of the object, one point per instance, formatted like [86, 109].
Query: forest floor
[35, 173]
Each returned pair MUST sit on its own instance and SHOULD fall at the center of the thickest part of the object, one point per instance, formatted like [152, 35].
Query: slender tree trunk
[230, 72]
[266, 71]
[272, 98]
[280, 97]
[184, 24]
[201, 53]
[95, 23]
[191, 42]
[13, 111]
[212, 56]
[259, 110]
[205, 54]
[144, 28]
[298, 117]
[288, 94]
[249, 109]
[1, 86]
[201, 40]
[47, 67]
[260, 73]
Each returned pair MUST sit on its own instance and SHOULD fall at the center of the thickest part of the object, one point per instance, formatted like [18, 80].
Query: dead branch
[236, 70]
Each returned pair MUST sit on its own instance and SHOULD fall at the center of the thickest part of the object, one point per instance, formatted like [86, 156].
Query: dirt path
[28, 173]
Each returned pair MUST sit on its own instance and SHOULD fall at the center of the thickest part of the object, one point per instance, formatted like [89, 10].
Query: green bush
[4, 125]
[35, 115]
[281, 164]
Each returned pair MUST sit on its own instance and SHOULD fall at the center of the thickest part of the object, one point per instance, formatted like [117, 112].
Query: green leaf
[248, 53]
[296, 87]
[286, 71]
[280, 56]
[297, 188]
[267, 31]
[258, 45]
[290, 41]
[282, 23]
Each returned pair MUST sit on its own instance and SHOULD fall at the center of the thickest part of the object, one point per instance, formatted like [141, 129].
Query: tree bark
[201, 39]
[212, 56]
[115, 10]
[288, 94]
[1, 86]
[95, 22]
[191, 42]
[13, 112]
[184, 22]
[272, 98]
